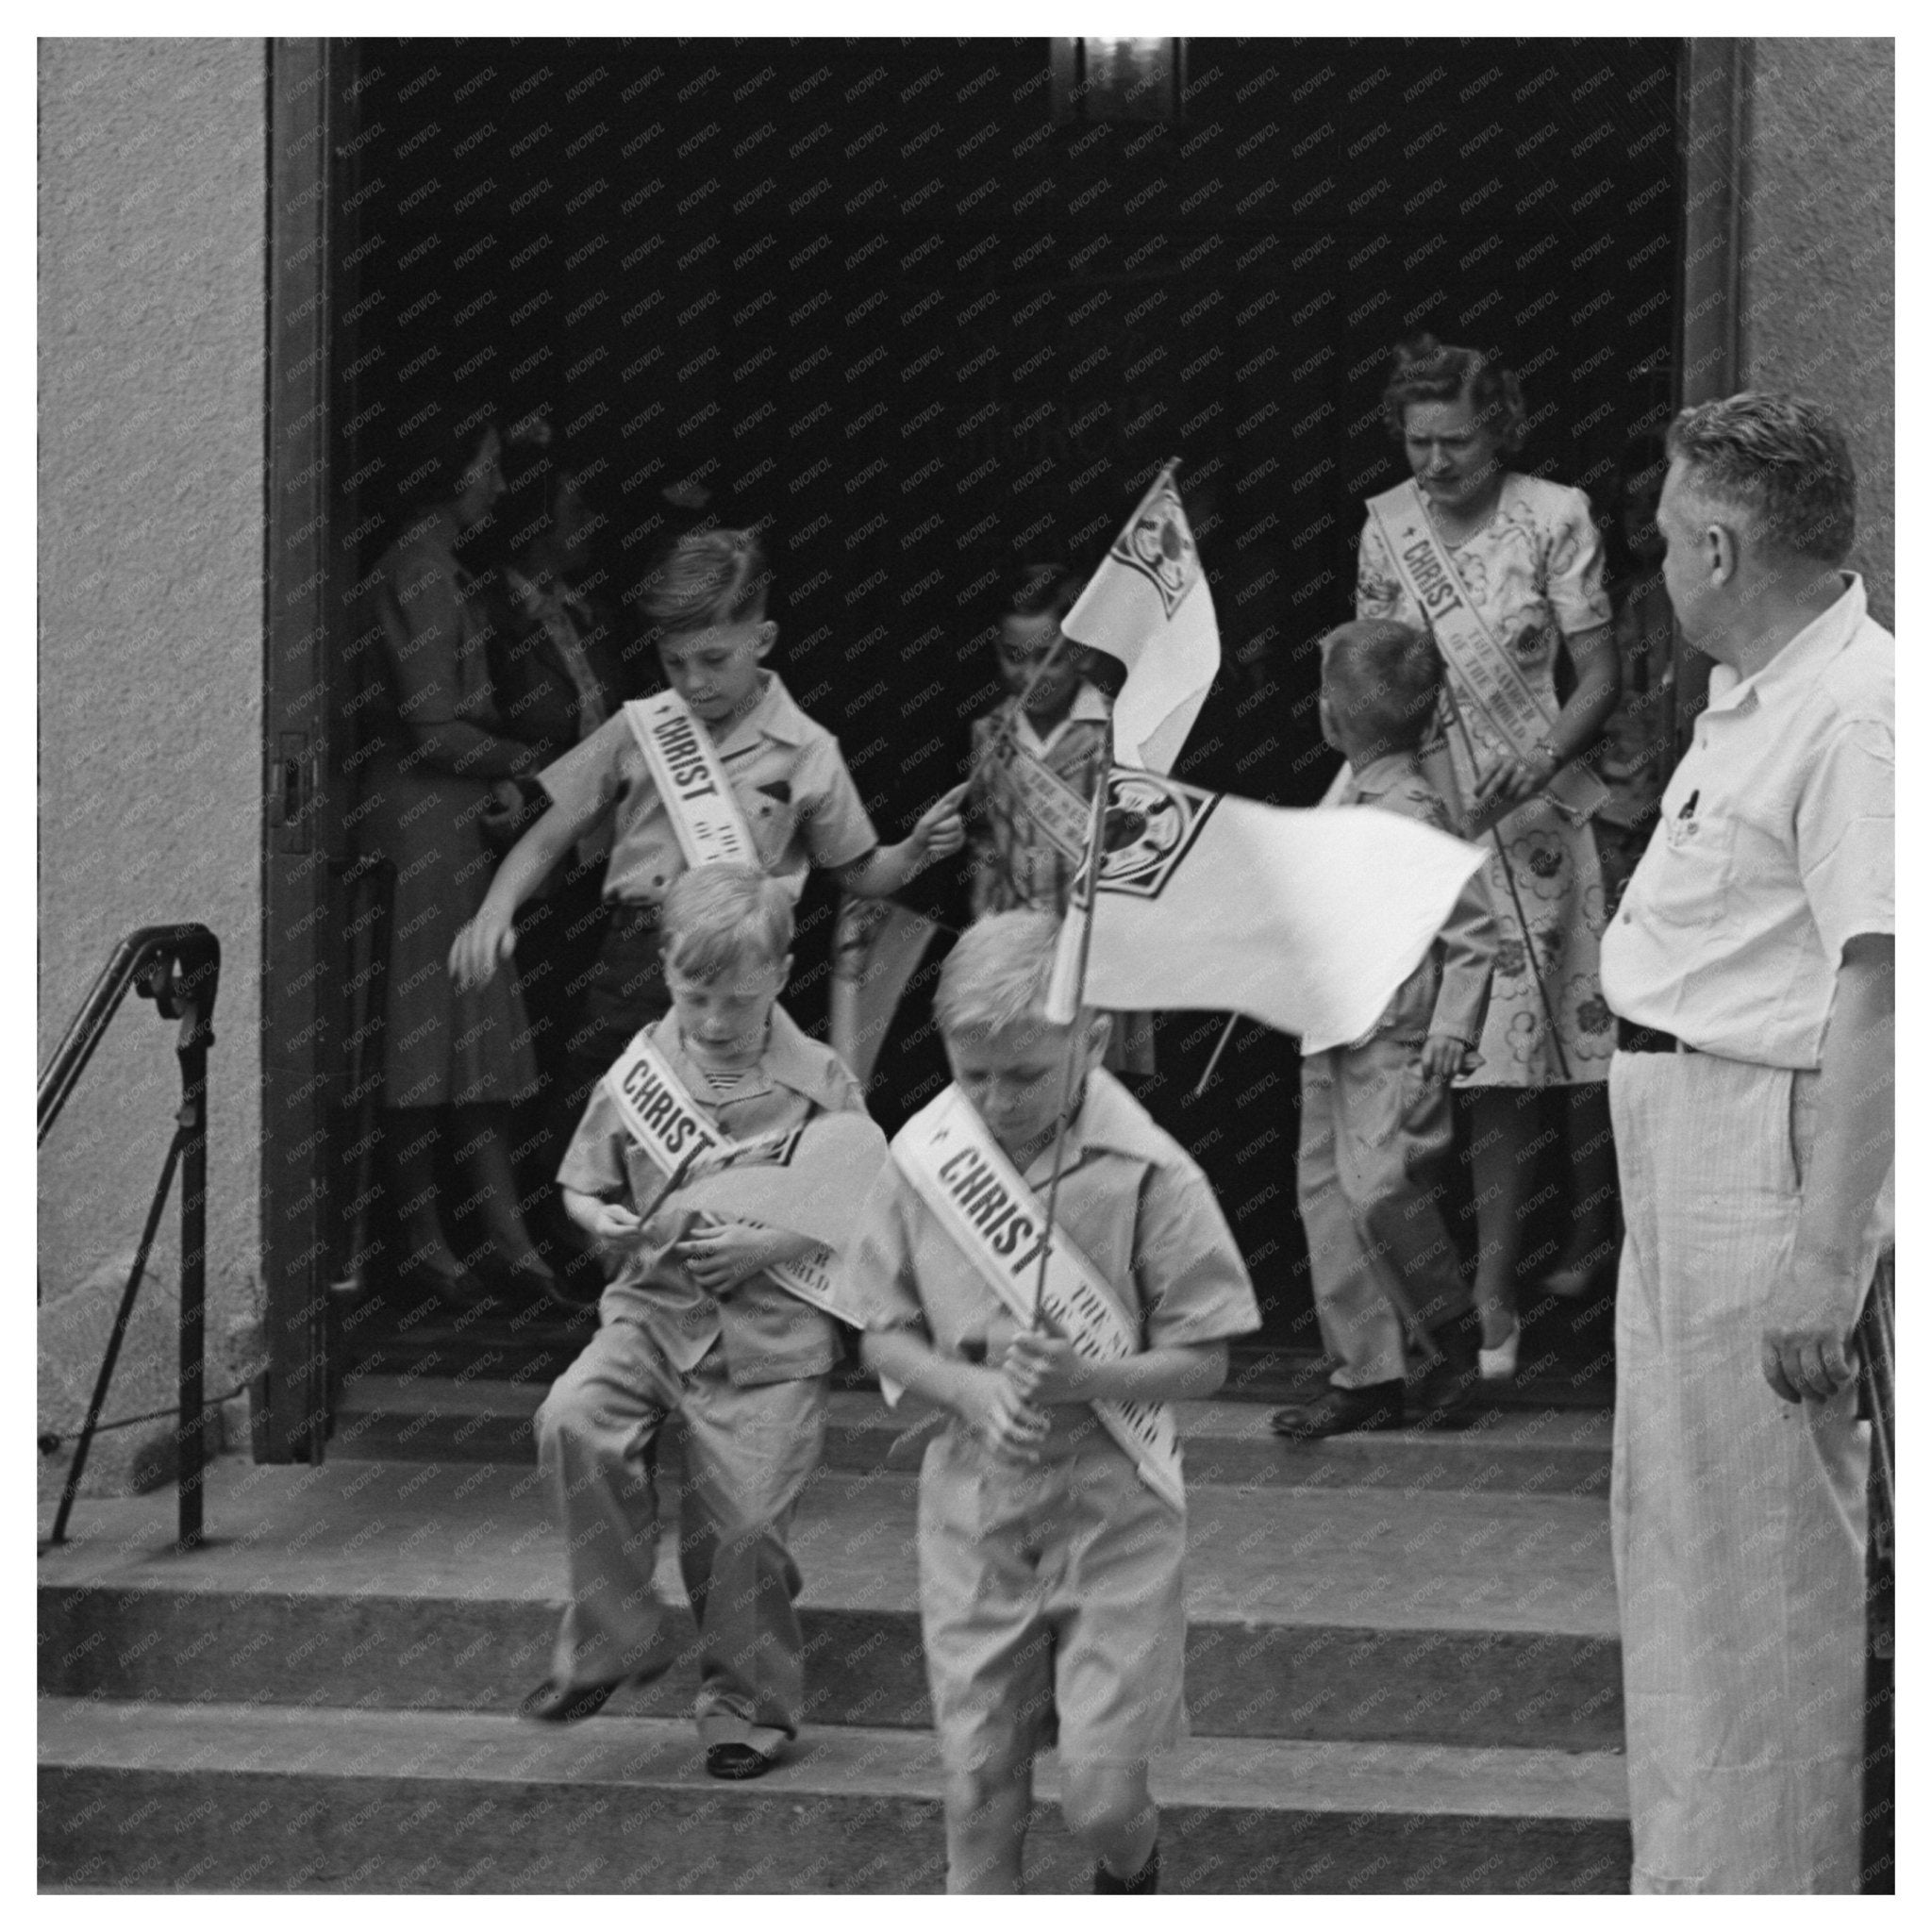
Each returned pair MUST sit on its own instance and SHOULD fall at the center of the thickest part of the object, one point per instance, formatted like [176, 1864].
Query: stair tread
[1271, 1775]
[1220, 1421]
[1373, 1558]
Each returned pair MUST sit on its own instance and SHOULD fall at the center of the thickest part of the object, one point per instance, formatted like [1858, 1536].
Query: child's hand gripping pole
[1067, 999]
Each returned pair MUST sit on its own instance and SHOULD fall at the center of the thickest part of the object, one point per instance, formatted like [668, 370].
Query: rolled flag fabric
[877, 948]
[1306, 920]
[1148, 605]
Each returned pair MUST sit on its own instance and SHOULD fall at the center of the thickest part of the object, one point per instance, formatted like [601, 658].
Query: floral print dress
[1535, 572]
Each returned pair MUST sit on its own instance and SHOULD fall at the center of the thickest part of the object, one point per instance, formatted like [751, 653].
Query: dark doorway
[920, 316]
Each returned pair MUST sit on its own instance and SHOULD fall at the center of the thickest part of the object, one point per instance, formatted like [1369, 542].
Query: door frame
[298, 1017]
[310, 104]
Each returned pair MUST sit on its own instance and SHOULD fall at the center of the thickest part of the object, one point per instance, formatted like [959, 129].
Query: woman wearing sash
[1527, 564]
[451, 1062]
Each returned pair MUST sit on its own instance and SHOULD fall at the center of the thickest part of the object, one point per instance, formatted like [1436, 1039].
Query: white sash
[1487, 671]
[686, 1146]
[1053, 805]
[1000, 1227]
[690, 777]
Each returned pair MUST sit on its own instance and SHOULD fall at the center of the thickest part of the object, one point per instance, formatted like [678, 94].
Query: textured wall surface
[151, 200]
[1818, 241]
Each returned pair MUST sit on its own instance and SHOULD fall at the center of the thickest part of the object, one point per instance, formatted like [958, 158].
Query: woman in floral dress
[1530, 561]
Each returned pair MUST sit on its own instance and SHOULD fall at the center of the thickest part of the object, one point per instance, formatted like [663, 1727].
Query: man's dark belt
[1632, 1037]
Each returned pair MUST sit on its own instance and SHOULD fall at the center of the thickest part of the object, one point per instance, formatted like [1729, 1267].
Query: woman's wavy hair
[1426, 370]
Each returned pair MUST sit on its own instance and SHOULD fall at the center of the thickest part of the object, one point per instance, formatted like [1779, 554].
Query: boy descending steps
[705, 1319]
[1052, 1526]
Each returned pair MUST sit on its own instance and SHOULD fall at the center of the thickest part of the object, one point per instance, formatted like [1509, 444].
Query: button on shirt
[1774, 848]
[785, 772]
[1130, 1199]
[768, 1336]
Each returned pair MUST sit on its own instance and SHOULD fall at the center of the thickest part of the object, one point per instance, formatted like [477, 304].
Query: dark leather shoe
[1146, 1879]
[1338, 1411]
[552, 1703]
[1443, 1397]
[737, 1761]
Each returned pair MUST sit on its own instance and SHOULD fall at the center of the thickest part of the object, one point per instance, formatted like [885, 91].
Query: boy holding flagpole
[1052, 1526]
[1037, 761]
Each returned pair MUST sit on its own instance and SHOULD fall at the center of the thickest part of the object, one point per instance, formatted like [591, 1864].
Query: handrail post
[190, 1456]
[179, 968]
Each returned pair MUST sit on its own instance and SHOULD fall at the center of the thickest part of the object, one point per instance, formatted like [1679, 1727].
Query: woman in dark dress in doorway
[453, 1063]
[556, 669]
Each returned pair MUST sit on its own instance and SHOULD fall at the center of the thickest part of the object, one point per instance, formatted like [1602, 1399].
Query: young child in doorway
[1051, 1519]
[1037, 757]
[693, 1325]
[1376, 1126]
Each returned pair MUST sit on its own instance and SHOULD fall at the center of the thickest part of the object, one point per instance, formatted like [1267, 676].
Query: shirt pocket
[1694, 878]
[772, 823]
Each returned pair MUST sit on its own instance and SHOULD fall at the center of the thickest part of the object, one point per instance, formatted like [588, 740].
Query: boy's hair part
[1381, 680]
[710, 577]
[998, 974]
[718, 918]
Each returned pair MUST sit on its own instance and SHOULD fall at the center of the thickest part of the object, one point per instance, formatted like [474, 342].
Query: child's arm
[1468, 943]
[491, 936]
[1049, 1369]
[986, 1400]
[885, 868]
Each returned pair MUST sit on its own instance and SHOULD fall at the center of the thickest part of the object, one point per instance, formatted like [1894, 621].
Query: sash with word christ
[1060, 811]
[690, 777]
[1485, 668]
[999, 1224]
[807, 1180]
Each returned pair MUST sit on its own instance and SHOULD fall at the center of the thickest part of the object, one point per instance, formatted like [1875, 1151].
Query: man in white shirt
[1750, 966]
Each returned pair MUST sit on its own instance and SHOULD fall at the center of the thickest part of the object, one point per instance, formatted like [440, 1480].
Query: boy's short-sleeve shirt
[1131, 1200]
[1018, 865]
[785, 772]
[768, 1335]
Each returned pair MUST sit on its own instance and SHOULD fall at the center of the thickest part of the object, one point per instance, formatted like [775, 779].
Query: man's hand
[1806, 1349]
[988, 1402]
[1442, 1056]
[480, 946]
[1047, 1369]
[721, 1254]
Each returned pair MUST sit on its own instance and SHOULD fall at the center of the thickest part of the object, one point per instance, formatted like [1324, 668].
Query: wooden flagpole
[1076, 1042]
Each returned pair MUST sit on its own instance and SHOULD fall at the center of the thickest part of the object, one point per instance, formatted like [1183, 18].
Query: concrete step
[1552, 1451]
[1417, 1616]
[213, 1797]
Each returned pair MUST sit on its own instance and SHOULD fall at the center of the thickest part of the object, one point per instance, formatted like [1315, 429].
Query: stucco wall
[152, 202]
[1817, 255]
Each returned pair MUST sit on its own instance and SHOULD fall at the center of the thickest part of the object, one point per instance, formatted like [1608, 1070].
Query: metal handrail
[179, 968]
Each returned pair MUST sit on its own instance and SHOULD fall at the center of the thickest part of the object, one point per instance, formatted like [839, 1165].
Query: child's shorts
[1049, 1592]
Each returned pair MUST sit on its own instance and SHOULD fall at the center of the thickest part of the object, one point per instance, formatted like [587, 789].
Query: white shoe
[1498, 1364]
